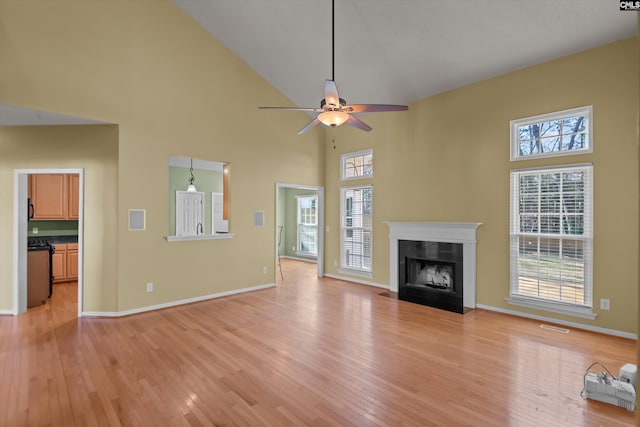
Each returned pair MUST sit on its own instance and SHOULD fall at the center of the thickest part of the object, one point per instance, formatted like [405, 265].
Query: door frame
[320, 190]
[20, 234]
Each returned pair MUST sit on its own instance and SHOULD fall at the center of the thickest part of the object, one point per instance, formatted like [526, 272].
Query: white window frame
[344, 164]
[344, 267]
[586, 111]
[579, 310]
[299, 223]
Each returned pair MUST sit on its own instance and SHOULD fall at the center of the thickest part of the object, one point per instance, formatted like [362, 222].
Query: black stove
[38, 243]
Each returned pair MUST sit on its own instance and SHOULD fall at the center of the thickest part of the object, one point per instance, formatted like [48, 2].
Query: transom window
[555, 134]
[357, 165]
[552, 239]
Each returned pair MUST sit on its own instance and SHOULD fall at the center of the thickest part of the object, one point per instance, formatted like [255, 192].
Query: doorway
[299, 224]
[23, 232]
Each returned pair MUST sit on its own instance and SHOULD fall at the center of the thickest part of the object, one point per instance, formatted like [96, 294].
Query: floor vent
[555, 329]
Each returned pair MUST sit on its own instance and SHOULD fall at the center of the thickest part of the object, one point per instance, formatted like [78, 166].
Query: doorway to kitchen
[48, 216]
[299, 225]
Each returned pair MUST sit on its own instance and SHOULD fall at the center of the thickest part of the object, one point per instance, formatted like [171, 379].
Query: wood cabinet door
[73, 195]
[72, 262]
[49, 196]
[59, 264]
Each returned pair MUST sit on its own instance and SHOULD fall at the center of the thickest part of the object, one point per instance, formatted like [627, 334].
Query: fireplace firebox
[431, 273]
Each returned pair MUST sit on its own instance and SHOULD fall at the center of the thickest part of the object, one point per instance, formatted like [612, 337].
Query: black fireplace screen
[432, 274]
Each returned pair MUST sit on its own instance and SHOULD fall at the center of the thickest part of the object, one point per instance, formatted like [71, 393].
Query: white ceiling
[390, 51]
[398, 51]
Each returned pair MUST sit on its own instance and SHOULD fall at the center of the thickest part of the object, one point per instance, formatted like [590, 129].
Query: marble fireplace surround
[450, 232]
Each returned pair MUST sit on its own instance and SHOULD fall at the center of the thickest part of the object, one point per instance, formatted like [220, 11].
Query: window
[307, 225]
[551, 239]
[357, 165]
[555, 134]
[356, 228]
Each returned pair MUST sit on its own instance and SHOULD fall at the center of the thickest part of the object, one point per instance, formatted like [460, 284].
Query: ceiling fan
[333, 110]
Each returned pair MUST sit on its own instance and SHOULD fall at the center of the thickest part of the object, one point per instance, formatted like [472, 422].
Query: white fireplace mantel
[450, 232]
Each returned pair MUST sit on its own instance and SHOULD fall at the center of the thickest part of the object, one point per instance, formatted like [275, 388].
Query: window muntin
[356, 165]
[356, 228]
[307, 236]
[552, 235]
[562, 133]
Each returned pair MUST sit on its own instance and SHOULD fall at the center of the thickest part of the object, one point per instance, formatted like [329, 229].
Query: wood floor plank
[308, 352]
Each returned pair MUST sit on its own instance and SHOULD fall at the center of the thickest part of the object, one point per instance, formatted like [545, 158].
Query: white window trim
[584, 311]
[514, 124]
[345, 269]
[355, 272]
[343, 159]
[552, 306]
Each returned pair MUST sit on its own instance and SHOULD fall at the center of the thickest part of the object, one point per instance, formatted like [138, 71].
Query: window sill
[306, 255]
[358, 273]
[555, 307]
[217, 236]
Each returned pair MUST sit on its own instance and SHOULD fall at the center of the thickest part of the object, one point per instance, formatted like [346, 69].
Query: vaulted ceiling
[392, 51]
[398, 51]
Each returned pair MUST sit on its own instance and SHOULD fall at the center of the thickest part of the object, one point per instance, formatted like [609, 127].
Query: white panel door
[189, 213]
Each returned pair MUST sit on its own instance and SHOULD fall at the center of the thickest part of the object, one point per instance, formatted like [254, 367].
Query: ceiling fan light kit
[334, 110]
[333, 118]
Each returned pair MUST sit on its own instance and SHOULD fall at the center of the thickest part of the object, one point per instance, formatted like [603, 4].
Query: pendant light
[191, 188]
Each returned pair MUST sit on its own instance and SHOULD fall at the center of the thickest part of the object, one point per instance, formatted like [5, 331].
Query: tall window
[555, 134]
[356, 228]
[357, 165]
[308, 225]
[552, 239]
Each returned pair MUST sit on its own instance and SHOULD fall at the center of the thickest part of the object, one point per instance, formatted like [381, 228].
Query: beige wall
[93, 148]
[172, 90]
[447, 159]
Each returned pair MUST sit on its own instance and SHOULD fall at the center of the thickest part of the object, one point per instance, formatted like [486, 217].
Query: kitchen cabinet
[59, 263]
[48, 193]
[65, 263]
[72, 262]
[73, 195]
[54, 196]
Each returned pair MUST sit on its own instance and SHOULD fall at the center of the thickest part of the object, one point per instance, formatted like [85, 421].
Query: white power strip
[602, 387]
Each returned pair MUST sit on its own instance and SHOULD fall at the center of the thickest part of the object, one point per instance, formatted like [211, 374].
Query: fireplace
[431, 273]
[434, 263]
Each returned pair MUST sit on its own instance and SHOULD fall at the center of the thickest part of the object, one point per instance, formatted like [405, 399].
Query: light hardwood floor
[309, 352]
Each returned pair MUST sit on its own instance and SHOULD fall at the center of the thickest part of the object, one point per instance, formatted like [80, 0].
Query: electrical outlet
[265, 269]
[149, 287]
[604, 304]
[327, 228]
[335, 262]
[35, 230]
[293, 248]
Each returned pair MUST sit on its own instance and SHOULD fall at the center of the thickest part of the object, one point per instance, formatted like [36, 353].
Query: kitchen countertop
[60, 240]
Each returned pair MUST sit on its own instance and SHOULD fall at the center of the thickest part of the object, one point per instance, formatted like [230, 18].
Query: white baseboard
[174, 303]
[560, 322]
[362, 282]
[7, 313]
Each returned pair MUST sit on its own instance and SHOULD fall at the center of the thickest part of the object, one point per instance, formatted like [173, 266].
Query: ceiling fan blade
[354, 121]
[373, 108]
[311, 124]
[331, 97]
[310, 109]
